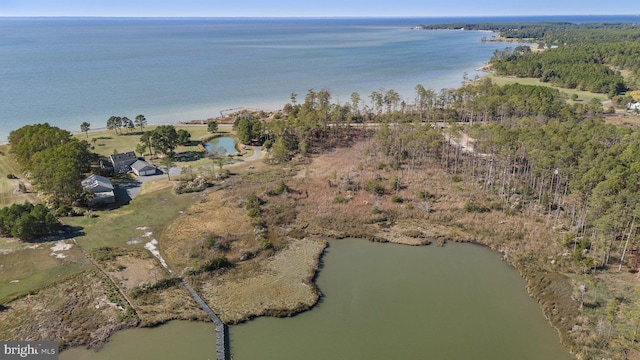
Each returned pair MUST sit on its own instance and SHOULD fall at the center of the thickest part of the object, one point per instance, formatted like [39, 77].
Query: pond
[381, 301]
[222, 146]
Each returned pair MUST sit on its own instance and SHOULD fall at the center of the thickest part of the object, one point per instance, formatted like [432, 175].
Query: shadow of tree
[122, 189]
[73, 231]
[188, 156]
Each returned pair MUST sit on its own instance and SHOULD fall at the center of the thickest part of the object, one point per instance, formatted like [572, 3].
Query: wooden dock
[221, 341]
[222, 351]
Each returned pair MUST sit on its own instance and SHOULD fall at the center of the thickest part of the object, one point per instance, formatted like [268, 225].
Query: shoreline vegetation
[382, 172]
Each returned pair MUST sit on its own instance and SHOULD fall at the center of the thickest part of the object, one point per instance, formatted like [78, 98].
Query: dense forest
[553, 33]
[577, 56]
[594, 68]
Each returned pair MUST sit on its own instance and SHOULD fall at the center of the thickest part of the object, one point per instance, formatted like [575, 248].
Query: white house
[143, 168]
[101, 188]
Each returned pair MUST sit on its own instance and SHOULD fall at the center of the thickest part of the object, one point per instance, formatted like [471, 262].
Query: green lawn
[28, 269]
[24, 268]
[151, 211]
[107, 142]
[583, 96]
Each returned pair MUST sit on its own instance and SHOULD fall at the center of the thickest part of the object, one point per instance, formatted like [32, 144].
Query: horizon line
[300, 17]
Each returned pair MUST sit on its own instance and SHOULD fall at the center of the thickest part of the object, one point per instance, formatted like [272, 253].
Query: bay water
[66, 71]
[69, 70]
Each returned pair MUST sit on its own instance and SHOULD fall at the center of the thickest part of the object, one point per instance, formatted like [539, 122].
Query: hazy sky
[311, 8]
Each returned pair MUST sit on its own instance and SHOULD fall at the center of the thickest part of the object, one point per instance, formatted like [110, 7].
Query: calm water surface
[69, 70]
[222, 145]
[66, 71]
[176, 340]
[384, 301]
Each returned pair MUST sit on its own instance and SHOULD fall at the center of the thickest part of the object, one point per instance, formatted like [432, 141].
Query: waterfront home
[101, 188]
[122, 162]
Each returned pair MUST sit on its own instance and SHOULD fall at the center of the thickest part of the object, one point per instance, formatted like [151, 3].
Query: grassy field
[107, 142]
[121, 233]
[278, 285]
[156, 206]
[29, 267]
[583, 96]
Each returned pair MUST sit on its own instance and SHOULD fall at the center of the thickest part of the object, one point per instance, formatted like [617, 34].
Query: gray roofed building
[122, 162]
[143, 168]
[101, 188]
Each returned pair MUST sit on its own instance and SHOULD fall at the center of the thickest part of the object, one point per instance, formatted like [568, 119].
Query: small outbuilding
[143, 168]
[101, 188]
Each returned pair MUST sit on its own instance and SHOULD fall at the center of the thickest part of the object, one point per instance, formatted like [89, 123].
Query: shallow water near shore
[175, 340]
[380, 301]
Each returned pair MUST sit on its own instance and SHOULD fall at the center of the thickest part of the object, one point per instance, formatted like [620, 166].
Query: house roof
[142, 165]
[94, 182]
[128, 156]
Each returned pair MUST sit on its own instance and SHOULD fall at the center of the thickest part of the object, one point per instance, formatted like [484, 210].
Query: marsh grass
[73, 311]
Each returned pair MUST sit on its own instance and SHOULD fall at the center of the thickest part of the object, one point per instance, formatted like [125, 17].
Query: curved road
[256, 153]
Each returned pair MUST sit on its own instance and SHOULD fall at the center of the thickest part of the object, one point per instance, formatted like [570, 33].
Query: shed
[101, 188]
[143, 168]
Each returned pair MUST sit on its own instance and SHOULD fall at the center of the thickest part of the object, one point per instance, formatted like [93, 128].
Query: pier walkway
[221, 342]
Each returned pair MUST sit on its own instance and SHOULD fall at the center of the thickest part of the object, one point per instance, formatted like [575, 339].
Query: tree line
[163, 139]
[554, 33]
[586, 56]
[118, 123]
[586, 67]
[54, 160]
